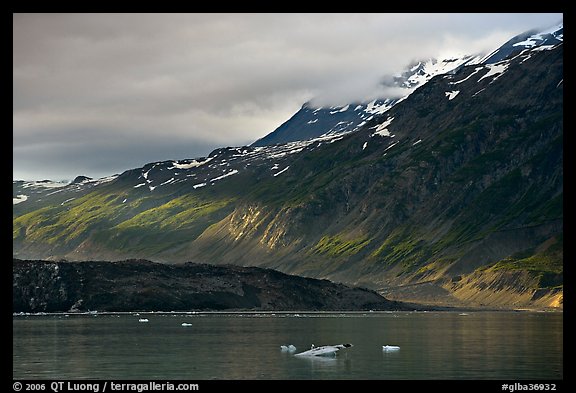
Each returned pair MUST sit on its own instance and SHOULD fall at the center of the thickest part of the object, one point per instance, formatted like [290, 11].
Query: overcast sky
[97, 94]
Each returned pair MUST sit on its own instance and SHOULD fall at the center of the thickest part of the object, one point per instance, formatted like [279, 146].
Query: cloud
[163, 86]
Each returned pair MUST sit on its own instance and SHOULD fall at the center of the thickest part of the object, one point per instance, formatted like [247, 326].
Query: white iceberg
[288, 348]
[325, 350]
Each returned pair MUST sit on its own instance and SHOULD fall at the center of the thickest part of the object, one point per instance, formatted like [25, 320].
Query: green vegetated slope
[459, 202]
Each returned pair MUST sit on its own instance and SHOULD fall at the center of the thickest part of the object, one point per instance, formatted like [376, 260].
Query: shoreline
[284, 312]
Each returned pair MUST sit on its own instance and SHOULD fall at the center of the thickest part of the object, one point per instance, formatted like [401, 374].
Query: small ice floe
[143, 320]
[288, 348]
[390, 348]
[325, 350]
[186, 324]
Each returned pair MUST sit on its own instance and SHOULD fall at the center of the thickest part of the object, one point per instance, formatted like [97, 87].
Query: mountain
[532, 39]
[313, 122]
[453, 196]
[138, 285]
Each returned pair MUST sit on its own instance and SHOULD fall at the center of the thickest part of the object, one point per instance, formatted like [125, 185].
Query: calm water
[434, 345]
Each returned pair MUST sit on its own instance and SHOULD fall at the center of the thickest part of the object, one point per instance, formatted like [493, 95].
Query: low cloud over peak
[101, 93]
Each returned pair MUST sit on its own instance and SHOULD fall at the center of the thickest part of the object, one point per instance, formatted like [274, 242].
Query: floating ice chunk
[186, 324]
[325, 350]
[288, 348]
[390, 348]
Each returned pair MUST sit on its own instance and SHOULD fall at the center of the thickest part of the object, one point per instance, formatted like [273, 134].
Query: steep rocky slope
[455, 192]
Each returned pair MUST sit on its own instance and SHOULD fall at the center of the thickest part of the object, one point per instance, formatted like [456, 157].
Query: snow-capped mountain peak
[312, 122]
[548, 37]
[422, 71]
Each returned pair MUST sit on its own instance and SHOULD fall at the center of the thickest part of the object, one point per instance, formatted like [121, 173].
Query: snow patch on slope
[495, 69]
[468, 77]
[191, 164]
[233, 172]
[343, 109]
[451, 94]
[382, 129]
[19, 199]
[44, 184]
[282, 171]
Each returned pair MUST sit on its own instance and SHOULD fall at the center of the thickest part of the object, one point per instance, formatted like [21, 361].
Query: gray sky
[97, 94]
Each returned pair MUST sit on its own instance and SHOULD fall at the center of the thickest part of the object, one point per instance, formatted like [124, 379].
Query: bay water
[433, 345]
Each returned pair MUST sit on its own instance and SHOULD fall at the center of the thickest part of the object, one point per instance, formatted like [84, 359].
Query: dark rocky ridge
[140, 285]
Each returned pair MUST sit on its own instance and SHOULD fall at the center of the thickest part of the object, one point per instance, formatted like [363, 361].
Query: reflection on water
[442, 345]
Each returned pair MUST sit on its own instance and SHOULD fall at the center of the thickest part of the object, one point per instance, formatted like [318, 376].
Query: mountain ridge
[140, 285]
[457, 189]
[314, 121]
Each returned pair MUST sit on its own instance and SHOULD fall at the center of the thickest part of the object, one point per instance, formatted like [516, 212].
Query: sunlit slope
[459, 187]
